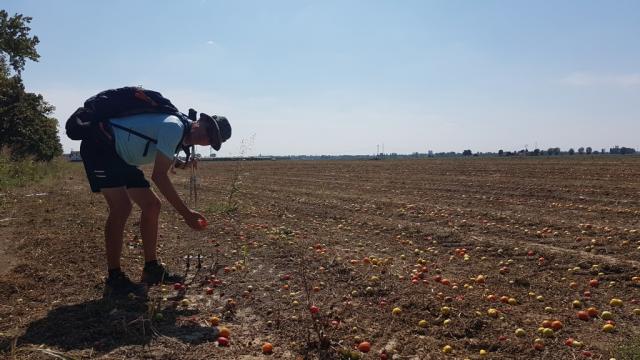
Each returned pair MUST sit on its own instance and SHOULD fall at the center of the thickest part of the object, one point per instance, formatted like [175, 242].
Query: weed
[222, 208]
[23, 172]
[630, 351]
[245, 256]
[236, 181]
[317, 322]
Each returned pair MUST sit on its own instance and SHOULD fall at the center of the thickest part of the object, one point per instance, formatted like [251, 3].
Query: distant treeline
[616, 150]
[501, 153]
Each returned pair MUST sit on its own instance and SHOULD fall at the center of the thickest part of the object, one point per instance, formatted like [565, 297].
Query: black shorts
[105, 169]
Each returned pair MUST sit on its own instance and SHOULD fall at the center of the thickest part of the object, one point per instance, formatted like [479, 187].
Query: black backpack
[90, 121]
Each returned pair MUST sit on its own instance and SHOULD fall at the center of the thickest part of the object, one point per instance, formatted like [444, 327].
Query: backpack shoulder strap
[185, 131]
[131, 131]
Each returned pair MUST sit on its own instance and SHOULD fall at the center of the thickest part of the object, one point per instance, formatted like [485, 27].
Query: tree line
[616, 150]
[27, 129]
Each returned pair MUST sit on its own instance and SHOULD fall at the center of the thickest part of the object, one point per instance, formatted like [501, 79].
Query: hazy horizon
[340, 77]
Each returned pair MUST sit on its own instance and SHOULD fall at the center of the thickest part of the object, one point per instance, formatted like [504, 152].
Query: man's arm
[161, 178]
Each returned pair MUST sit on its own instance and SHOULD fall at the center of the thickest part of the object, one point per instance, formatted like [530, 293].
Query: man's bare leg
[118, 284]
[119, 210]
[150, 204]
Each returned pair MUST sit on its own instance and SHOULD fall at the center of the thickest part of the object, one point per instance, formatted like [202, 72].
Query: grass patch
[222, 208]
[24, 172]
[630, 351]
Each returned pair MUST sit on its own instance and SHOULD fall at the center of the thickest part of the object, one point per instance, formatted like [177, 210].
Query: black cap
[219, 129]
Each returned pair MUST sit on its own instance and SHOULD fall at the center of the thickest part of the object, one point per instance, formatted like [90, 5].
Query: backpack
[91, 120]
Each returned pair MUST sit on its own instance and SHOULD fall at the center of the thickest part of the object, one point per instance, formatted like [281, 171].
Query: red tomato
[267, 348]
[364, 347]
[223, 341]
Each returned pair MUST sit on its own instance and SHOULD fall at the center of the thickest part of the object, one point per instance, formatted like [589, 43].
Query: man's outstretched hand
[195, 220]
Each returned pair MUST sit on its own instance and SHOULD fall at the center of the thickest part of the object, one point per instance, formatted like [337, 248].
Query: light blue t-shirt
[166, 129]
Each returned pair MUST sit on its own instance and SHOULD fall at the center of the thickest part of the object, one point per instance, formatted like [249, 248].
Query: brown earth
[348, 237]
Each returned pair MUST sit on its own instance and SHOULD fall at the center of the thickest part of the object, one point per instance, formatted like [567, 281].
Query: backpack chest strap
[186, 124]
[131, 131]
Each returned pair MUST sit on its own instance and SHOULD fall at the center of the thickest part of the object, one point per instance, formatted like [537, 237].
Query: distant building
[73, 156]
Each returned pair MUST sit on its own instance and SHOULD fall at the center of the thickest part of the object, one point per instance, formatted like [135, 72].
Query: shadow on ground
[104, 325]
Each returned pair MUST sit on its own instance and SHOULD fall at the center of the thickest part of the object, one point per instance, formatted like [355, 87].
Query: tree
[581, 150]
[500, 152]
[553, 151]
[15, 44]
[589, 150]
[25, 126]
[467, 153]
[571, 151]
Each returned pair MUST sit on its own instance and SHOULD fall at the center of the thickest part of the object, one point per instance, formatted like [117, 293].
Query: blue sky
[340, 77]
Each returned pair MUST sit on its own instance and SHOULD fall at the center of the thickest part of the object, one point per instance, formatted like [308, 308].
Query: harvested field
[442, 240]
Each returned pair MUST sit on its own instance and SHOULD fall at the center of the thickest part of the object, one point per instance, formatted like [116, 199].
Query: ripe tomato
[267, 348]
[223, 341]
[364, 347]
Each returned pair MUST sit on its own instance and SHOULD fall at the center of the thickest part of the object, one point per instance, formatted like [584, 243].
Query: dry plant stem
[234, 185]
[193, 182]
[307, 290]
[14, 341]
[214, 265]
[52, 353]
[236, 179]
[198, 268]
